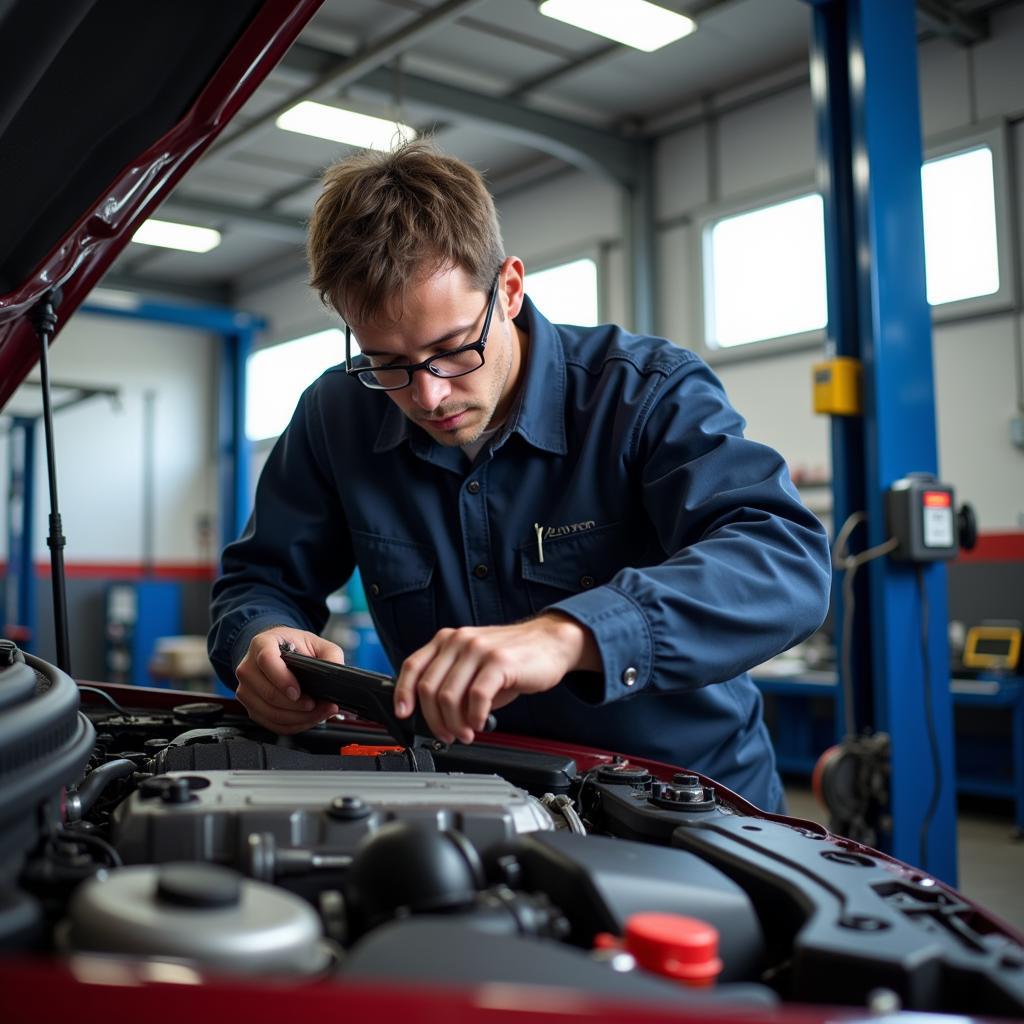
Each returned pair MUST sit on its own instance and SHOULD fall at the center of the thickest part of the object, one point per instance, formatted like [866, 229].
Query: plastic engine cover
[210, 815]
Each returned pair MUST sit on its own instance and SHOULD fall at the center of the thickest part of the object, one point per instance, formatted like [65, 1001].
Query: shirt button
[586, 582]
[375, 589]
[473, 487]
[629, 676]
[480, 572]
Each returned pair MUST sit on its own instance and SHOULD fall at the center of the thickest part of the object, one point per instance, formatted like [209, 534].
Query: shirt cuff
[623, 639]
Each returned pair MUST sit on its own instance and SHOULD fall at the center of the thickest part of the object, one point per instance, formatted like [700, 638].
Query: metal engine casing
[225, 807]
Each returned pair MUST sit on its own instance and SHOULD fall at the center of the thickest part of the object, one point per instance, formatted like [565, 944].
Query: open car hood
[104, 105]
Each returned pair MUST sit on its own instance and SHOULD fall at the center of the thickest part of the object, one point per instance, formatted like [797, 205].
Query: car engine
[149, 826]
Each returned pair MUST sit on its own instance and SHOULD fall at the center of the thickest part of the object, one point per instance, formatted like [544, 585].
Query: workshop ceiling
[488, 78]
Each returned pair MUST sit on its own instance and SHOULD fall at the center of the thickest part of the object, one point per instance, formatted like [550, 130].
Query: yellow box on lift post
[837, 387]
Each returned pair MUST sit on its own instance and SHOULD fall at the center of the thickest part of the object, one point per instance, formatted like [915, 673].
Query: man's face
[440, 313]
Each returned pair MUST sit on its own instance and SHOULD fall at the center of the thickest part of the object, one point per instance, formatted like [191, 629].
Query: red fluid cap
[683, 948]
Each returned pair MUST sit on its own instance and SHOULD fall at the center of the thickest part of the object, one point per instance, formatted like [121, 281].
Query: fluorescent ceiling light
[114, 298]
[177, 236]
[337, 125]
[636, 23]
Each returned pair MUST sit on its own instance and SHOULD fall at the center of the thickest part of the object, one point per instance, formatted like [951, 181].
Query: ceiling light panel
[346, 126]
[169, 235]
[637, 23]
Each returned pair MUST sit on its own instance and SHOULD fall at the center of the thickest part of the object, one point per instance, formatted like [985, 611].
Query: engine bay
[174, 829]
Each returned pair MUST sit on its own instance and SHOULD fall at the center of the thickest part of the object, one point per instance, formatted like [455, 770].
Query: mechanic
[563, 524]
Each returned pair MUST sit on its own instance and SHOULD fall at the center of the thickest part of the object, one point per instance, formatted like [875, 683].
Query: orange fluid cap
[366, 750]
[683, 948]
[605, 940]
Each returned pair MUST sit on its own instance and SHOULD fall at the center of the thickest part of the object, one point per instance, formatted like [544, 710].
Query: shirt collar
[539, 416]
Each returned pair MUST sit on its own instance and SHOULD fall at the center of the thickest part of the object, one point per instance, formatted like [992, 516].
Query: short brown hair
[384, 220]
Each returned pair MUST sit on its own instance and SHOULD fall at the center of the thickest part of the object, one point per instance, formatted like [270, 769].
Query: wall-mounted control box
[922, 516]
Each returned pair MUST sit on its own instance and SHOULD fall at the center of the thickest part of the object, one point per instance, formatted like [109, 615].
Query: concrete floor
[991, 857]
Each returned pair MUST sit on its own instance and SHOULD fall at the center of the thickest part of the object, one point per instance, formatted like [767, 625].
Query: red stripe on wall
[996, 547]
[991, 547]
[131, 571]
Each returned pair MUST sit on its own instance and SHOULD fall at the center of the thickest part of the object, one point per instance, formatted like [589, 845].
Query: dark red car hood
[104, 104]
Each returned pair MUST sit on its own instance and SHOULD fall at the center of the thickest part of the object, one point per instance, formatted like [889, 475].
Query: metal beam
[942, 18]
[641, 242]
[352, 70]
[696, 10]
[280, 226]
[595, 150]
[564, 70]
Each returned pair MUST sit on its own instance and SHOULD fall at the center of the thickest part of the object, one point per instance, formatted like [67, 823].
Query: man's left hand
[461, 675]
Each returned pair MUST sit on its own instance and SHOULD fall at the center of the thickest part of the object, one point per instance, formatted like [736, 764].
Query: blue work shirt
[682, 545]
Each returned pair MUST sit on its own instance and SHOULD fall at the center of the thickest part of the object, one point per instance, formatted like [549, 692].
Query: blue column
[234, 445]
[865, 68]
[20, 606]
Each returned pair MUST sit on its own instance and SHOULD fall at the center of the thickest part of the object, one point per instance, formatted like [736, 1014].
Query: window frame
[992, 134]
[551, 261]
[264, 444]
[703, 221]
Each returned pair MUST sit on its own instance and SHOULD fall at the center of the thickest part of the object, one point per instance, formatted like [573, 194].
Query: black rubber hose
[98, 779]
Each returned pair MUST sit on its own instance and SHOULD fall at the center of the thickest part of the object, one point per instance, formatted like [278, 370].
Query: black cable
[106, 696]
[846, 655]
[849, 564]
[929, 717]
[90, 840]
[93, 785]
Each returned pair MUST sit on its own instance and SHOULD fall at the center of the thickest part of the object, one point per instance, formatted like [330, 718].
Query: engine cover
[209, 816]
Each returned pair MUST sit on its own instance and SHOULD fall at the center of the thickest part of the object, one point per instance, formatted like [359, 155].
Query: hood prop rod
[44, 320]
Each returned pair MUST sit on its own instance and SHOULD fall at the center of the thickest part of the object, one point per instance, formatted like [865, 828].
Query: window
[764, 267]
[764, 273]
[276, 376]
[567, 293]
[961, 253]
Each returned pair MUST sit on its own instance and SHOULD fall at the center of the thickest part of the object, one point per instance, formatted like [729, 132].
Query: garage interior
[612, 170]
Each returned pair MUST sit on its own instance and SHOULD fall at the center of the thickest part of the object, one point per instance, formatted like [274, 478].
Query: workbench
[803, 725]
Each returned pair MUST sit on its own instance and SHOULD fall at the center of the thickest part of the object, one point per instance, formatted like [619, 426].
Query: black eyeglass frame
[364, 374]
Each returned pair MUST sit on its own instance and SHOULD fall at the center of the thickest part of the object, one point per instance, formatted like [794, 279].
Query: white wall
[100, 448]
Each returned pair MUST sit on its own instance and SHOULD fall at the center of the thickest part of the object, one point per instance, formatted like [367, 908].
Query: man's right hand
[269, 691]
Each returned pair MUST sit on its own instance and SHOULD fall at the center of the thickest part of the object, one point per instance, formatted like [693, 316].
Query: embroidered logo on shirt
[547, 532]
[562, 531]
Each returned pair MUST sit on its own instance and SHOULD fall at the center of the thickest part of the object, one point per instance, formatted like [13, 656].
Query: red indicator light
[937, 499]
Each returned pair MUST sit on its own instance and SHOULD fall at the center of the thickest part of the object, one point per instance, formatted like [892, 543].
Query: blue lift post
[864, 75]
[20, 591]
[237, 330]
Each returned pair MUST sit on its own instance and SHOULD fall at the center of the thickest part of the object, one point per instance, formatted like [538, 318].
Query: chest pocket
[398, 578]
[572, 563]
